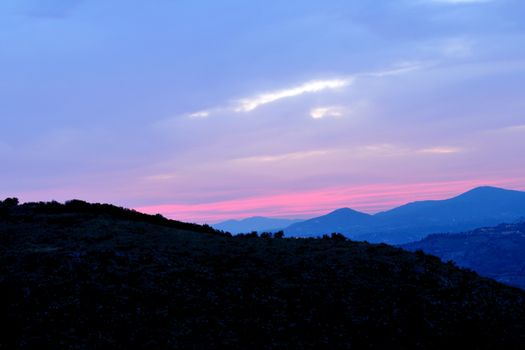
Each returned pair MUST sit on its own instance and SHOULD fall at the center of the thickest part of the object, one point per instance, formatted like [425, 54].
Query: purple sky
[208, 110]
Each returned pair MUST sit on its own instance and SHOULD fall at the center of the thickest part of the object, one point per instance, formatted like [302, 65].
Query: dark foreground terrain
[81, 276]
[496, 252]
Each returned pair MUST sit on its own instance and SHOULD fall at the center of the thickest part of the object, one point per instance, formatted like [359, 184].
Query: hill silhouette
[339, 220]
[495, 252]
[82, 276]
[256, 223]
[482, 206]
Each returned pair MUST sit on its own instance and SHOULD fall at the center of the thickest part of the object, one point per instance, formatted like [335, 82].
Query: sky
[206, 110]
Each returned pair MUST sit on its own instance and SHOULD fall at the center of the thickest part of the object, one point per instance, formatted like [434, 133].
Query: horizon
[420, 197]
[151, 211]
[205, 112]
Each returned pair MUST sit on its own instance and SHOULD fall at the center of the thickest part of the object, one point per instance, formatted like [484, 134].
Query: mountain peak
[346, 213]
[341, 220]
[254, 223]
[345, 210]
[486, 189]
[486, 193]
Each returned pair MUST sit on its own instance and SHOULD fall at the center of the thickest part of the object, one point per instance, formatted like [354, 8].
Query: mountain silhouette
[256, 223]
[495, 252]
[482, 206]
[340, 220]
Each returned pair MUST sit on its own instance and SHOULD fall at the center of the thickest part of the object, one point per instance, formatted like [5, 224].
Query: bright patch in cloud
[384, 149]
[200, 114]
[506, 129]
[441, 150]
[515, 128]
[249, 104]
[282, 157]
[323, 112]
[161, 177]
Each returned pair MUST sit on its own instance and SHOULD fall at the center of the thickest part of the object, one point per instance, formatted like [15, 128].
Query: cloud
[251, 103]
[283, 157]
[514, 128]
[324, 112]
[161, 177]
[382, 149]
[398, 69]
[200, 114]
[505, 129]
[372, 150]
[397, 150]
[441, 150]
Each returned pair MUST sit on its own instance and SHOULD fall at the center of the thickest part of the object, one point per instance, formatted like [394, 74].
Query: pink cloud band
[367, 198]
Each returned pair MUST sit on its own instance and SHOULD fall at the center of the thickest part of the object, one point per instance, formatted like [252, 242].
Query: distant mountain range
[256, 223]
[482, 206]
[495, 252]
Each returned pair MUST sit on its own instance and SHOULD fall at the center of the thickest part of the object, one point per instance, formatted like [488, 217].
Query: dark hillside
[496, 252]
[9, 209]
[87, 277]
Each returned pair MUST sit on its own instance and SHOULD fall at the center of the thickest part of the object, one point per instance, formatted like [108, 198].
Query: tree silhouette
[10, 202]
[266, 235]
